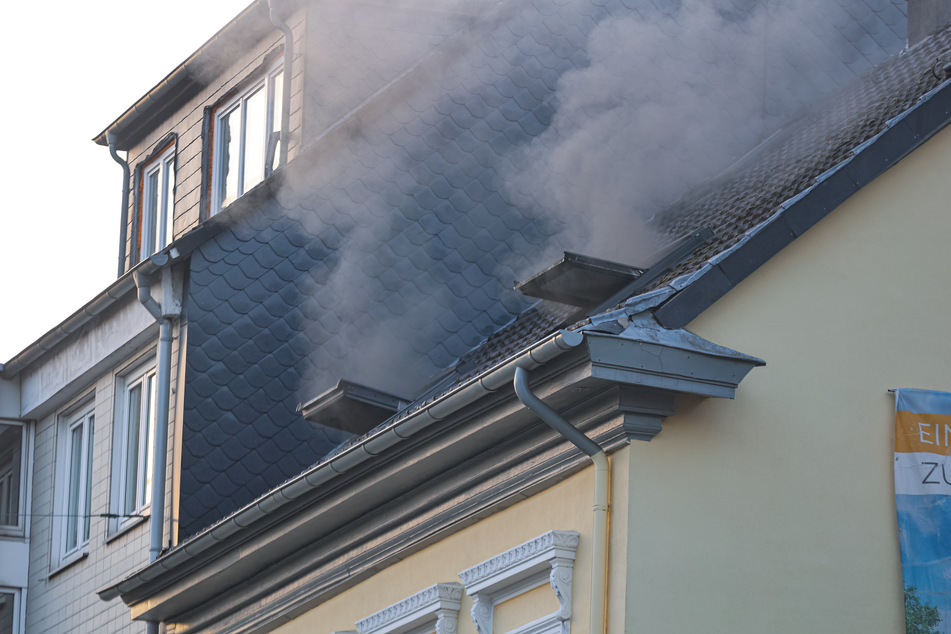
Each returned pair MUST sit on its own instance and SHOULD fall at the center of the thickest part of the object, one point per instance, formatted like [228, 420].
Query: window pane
[11, 449]
[150, 211]
[74, 487]
[167, 232]
[7, 612]
[132, 449]
[277, 92]
[149, 442]
[256, 134]
[87, 475]
[229, 131]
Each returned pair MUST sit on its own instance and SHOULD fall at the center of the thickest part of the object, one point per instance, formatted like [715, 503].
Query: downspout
[124, 216]
[602, 480]
[288, 73]
[163, 379]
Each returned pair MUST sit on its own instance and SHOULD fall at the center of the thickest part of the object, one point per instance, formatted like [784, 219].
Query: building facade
[311, 398]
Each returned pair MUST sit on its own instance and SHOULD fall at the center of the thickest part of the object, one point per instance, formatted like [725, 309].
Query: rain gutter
[602, 496]
[75, 322]
[164, 314]
[316, 478]
[124, 212]
[158, 98]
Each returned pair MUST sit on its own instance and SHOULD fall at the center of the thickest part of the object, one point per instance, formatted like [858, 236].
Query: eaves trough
[900, 136]
[429, 471]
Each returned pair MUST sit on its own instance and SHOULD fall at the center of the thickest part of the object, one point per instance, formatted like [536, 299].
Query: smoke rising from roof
[660, 101]
[669, 100]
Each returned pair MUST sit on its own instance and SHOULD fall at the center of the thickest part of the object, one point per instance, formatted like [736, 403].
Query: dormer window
[246, 138]
[157, 204]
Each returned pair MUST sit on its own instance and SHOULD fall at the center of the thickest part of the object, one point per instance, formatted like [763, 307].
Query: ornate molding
[544, 547]
[519, 569]
[438, 603]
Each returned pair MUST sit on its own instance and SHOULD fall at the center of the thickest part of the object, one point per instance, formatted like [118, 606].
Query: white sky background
[73, 68]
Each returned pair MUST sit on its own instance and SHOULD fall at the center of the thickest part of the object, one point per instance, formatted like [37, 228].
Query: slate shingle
[409, 216]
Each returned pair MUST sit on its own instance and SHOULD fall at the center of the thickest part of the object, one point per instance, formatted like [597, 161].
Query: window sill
[125, 528]
[67, 562]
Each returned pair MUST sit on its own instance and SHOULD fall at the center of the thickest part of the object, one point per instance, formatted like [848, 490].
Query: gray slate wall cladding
[396, 247]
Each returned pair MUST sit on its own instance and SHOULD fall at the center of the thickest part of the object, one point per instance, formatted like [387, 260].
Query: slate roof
[386, 252]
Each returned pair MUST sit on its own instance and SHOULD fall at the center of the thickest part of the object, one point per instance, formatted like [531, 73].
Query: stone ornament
[549, 557]
[437, 605]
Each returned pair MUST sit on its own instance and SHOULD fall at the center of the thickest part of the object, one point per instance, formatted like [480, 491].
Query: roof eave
[183, 81]
[901, 136]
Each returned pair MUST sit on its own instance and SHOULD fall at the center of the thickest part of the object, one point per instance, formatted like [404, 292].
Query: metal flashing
[352, 407]
[579, 280]
[867, 161]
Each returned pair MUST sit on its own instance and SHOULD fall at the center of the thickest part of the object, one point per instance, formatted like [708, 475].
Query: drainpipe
[288, 72]
[602, 480]
[124, 216]
[163, 378]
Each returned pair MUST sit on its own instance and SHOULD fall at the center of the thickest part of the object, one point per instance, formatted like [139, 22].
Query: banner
[923, 498]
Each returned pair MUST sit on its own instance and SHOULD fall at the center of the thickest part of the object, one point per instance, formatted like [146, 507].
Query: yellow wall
[566, 506]
[775, 512]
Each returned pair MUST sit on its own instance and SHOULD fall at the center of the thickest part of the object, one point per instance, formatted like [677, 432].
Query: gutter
[316, 477]
[157, 98]
[75, 322]
[124, 212]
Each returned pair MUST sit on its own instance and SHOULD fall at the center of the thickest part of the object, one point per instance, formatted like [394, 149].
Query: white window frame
[133, 443]
[158, 207]
[6, 484]
[17, 607]
[271, 83]
[73, 513]
[550, 558]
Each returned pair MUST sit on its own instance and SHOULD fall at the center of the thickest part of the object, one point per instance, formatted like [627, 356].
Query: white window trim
[434, 609]
[549, 557]
[20, 528]
[61, 554]
[272, 122]
[156, 230]
[19, 611]
[127, 517]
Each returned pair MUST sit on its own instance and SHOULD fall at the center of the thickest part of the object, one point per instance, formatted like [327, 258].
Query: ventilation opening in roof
[579, 280]
[352, 407]
[596, 285]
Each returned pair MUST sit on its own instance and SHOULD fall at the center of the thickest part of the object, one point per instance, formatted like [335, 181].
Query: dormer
[207, 133]
[215, 127]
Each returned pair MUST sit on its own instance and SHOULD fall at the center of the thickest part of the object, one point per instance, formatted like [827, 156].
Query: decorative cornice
[539, 547]
[436, 601]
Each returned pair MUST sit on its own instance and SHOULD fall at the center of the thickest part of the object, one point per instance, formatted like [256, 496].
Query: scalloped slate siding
[392, 240]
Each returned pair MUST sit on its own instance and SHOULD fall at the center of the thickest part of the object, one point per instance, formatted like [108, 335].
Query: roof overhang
[431, 470]
[203, 66]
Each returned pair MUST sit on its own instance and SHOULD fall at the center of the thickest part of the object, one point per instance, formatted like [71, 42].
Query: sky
[73, 69]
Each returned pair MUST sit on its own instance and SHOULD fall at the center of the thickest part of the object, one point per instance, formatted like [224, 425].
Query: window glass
[9, 620]
[158, 203]
[11, 467]
[255, 138]
[132, 471]
[243, 130]
[78, 485]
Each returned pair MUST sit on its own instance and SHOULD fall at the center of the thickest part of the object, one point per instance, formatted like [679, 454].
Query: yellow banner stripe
[915, 433]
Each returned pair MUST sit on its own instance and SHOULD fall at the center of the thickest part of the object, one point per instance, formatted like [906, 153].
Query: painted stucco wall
[565, 506]
[775, 512]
